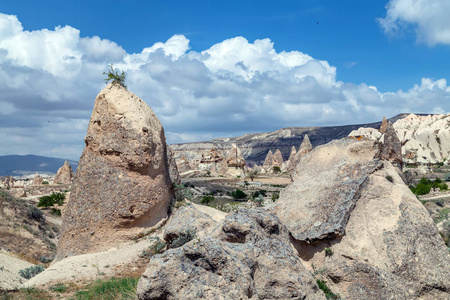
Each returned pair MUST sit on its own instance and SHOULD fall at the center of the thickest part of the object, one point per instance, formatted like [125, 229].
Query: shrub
[56, 211]
[54, 198]
[207, 199]
[389, 178]
[35, 213]
[328, 251]
[44, 182]
[328, 293]
[255, 194]
[31, 271]
[182, 192]
[275, 196]
[115, 77]
[183, 239]
[59, 287]
[276, 169]
[253, 174]
[238, 194]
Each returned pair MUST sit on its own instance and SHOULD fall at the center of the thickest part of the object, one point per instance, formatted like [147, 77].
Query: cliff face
[255, 146]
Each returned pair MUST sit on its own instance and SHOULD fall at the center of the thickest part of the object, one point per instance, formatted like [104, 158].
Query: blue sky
[218, 68]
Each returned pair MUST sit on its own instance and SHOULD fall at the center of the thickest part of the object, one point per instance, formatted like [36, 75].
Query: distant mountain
[20, 165]
[255, 146]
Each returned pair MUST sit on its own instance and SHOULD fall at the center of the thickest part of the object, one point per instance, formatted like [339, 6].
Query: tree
[253, 174]
[115, 76]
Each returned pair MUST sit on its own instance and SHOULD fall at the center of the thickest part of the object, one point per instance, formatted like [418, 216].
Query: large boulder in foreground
[247, 257]
[386, 246]
[122, 185]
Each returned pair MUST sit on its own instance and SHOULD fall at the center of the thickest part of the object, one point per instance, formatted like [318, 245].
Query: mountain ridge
[22, 165]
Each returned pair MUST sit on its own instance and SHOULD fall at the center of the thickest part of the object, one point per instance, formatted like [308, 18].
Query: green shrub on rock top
[115, 77]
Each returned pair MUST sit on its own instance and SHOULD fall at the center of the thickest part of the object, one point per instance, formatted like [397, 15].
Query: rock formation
[37, 180]
[268, 161]
[391, 149]
[64, 174]
[277, 159]
[234, 158]
[173, 169]
[384, 125]
[305, 147]
[352, 217]
[122, 185]
[183, 164]
[247, 257]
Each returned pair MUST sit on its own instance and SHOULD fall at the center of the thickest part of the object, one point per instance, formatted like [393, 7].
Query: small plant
[207, 200]
[45, 259]
[256, 194]
[275, 196]
[183, 239]
[35, 213]
[276, 169]
[59, 287]
[158, 246]
[328, 293]
[328, 251]
[115, 77]
[182, 192]
[238, 194]
[114, 288]
[44, 182]
[31, 271]
[56, 211]
[389, 178]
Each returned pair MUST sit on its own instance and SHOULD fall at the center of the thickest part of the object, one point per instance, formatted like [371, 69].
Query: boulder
[122, 185]
[358, 227]
[187, 218]
[64, 174]
[247, 257]
[325, 189]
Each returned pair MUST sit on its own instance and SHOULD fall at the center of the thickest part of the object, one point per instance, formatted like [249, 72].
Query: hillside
[19, 165]
[255, 146]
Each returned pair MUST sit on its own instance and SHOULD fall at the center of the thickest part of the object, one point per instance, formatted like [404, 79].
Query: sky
[213, 69]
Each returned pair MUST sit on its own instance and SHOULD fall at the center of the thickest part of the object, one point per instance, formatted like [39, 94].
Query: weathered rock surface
[390, 250]
[391, 149]
[122, 185]
[173, 169]
[325, 189]
[234, 158]
[366, 132]
[383, 126]
[277, 159]
[64, 174]
[268, 161]
[183, 164]
[37, 180]
[247, 257]
[187, 218]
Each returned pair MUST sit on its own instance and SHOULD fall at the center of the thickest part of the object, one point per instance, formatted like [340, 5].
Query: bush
[55, 198]
[238, 194]
[424, 186]
[35, 213]
[328, 251]
[255, 194]
[275, 196]
[276, 169]
[115, 77]
[31, 271]
[183, 239]
[44, 182]
[328, 293]
[182, 192]
[389, 178]
[207, 199]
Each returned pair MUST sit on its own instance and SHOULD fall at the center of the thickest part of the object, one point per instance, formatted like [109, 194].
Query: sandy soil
[9, 271]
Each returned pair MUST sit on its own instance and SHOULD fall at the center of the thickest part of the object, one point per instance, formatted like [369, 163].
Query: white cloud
[429, 18]
[233, 87]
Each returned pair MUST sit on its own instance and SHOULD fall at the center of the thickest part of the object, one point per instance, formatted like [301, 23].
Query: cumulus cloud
[49, 80]
[429, 19]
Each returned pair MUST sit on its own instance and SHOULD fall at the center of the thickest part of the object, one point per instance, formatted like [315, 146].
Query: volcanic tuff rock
[391, 149]
[384, 125]
[268, 161]
[325, 189]
[122, 184]
[64, 174]
[247, 257]
[37, 180]
[391, 248]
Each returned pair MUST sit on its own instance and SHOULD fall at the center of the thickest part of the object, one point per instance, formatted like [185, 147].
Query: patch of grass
[328, 293]
[111, 289]
[26, 294]
[60, 288]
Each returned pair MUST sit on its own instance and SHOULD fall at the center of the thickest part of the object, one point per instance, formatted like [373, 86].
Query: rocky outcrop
[268, 161]
[37, 180]
[391, 149]
[64, 174]
[234, 158]
[183, 164]
[366, 133]
[247, 257]
[122, 185]
[353, 219]
[173, 169]
[277, 159]
[384, 125]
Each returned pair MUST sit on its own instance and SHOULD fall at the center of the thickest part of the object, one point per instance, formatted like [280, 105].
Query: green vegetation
[328, 293]
[59, 287]
[34, 213]
[182, 192]
[114, 288]
[54, 198]
[238, 194]
[389, 178]
[256, 194]
[443, 213]
[424, 186]
[276, 169]
[189, 235]
[275, 196]
[115, 77]
[207, 200]
[328, 251]
[44, 182]
[31, 271]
